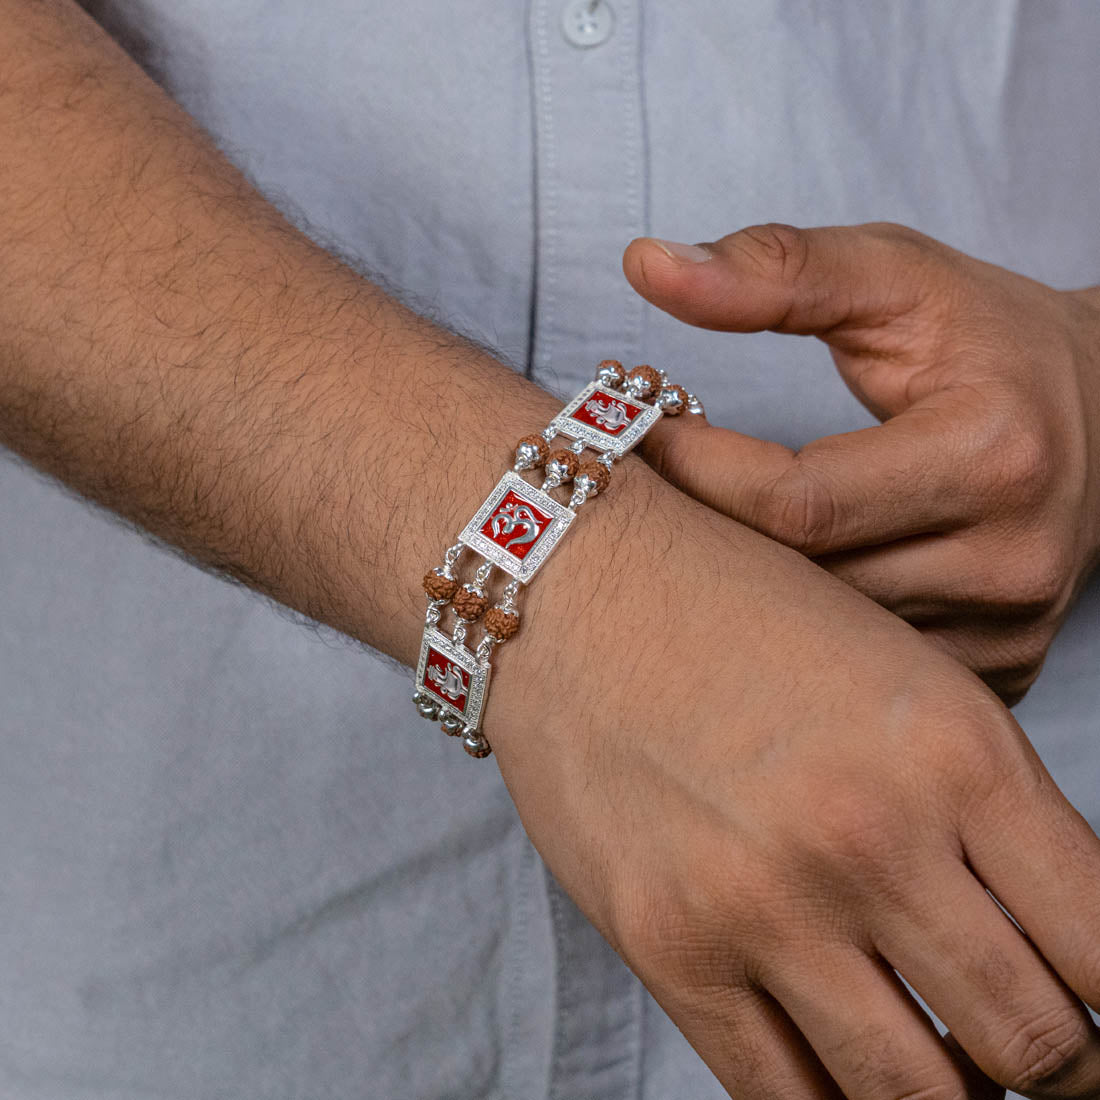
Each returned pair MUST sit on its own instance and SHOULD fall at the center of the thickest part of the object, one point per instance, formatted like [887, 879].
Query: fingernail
[692, 253]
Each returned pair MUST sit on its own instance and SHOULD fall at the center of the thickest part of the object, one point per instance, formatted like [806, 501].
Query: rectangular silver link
[605, 419]
[439, 674]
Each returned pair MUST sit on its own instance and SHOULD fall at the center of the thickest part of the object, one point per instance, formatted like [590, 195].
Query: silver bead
[607, 459]
[549, 434]
[452, 724]
[612, 377]
[428, 709]
[585, 484]
[695, 405]
[638, 386]
[669, 399]
[577, 446]
[557, 471]
[583, 488]
[527, 455]
[476, 745]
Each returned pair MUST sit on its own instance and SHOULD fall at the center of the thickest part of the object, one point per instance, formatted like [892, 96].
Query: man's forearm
[172, 348]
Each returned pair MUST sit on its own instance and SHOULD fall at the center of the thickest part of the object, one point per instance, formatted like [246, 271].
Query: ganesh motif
[445, 678]
[607, 412]
[448, 683]
[610, 416]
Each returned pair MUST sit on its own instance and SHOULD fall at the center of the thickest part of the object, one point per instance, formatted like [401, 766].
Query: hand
[973, 511]
[768, 793]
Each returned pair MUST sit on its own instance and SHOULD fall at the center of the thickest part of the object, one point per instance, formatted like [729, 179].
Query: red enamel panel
[515, 524]
[608, 412]
[448, 680]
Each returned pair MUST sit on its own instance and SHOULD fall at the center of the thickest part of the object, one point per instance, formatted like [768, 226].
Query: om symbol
[512, 516]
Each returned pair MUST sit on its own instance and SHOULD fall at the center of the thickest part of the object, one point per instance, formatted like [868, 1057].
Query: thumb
[808, 281]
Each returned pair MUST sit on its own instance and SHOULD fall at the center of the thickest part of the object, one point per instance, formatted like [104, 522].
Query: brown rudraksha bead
[539, 444]
[643, 380]
[598, 472]
[568, 460]
[439, 587]
[501, 624]
[468, 604]
[682, 394]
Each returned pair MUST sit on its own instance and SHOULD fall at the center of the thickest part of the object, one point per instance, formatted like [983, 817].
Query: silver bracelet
[516, 529]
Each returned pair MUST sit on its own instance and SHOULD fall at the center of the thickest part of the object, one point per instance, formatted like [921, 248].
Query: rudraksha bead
[501, 624]
[440, 587]
[643, 380]
[468, 604]
[674, 407]
[568, 460]
[610, 373]
[538, 444]
[598, 472]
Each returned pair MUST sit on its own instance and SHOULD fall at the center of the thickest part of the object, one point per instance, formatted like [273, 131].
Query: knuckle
[851, 828]
[1047, 1051]
[1021, 460]
[1041, 584]
[1015, 656]
[797, 509]
[777, 250]
[975, 755]
[879, 1064]
[897, 233]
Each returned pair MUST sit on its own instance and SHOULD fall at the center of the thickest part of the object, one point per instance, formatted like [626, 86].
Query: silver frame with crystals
[461, 656]
[618, 445]
[523, 570]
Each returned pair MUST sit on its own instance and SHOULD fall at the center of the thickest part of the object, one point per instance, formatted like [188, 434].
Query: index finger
[923, 471]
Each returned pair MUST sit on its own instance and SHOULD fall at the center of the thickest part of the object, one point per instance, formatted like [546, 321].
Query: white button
[587, 22]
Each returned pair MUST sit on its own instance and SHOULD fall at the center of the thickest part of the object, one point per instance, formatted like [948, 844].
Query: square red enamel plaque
[517, 526]
[605, 419]
[450, 674]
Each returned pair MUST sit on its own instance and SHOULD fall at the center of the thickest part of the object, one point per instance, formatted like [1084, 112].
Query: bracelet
[516, 529]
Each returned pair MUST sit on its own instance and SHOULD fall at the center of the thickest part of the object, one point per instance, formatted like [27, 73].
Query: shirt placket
[590, 201]
[590, 187]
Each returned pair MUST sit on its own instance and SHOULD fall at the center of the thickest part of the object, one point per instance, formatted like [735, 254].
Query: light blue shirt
[235, 863]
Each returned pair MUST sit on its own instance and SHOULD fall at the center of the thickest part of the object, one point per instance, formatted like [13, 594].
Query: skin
[973, 512]
[764, 789]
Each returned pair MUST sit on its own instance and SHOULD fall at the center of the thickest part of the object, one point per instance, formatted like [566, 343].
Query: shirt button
[587, 22]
